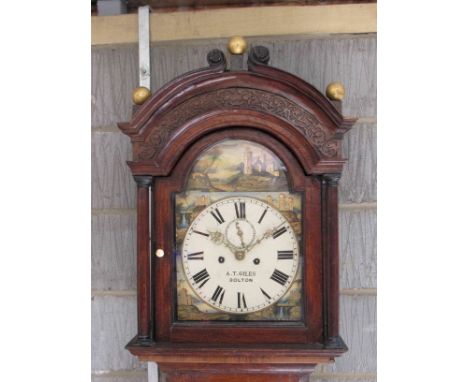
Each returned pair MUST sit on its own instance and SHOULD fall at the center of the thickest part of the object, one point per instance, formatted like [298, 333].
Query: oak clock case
[237, 172]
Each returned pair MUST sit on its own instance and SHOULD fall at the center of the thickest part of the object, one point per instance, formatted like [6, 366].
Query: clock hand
[240, 234]
[216, 237]
[267, 234]
[220, 239]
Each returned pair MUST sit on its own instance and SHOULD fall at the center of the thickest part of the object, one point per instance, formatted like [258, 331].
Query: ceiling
[110, 7]
[228, 3]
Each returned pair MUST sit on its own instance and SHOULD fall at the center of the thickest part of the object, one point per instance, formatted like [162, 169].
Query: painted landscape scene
[238, 165]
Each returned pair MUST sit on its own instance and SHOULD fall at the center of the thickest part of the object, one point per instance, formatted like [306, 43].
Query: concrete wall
[350, 59]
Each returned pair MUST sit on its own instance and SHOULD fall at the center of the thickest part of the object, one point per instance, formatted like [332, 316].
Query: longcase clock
[237, 246]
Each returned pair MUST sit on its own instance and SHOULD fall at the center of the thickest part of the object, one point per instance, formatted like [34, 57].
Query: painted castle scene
[238, 165]
[228, 169]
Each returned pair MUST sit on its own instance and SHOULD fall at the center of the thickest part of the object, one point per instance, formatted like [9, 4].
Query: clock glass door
[238, 238]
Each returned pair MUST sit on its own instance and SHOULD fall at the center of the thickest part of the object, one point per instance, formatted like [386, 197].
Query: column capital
[331, 179]
[143, 180]
[145, 341]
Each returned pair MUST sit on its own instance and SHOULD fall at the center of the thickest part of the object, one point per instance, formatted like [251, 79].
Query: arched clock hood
[262, 97]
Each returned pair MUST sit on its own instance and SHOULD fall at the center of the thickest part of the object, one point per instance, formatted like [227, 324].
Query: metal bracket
[144, 46]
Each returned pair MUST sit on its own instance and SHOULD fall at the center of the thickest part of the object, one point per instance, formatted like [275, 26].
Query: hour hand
[219, 239]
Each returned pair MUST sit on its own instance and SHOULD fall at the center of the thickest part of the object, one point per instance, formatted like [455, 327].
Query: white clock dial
[240, 255]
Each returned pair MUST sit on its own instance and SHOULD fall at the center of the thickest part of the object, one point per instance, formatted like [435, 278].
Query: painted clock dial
[240, 255]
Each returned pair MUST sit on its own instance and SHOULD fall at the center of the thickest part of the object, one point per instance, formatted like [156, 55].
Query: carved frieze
[239, 98]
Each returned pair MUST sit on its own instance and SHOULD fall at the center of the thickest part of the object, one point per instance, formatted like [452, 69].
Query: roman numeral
[279, 232]
[195, 256]
[285, 255]
[202, 233]
[240, 210]
[201, 277]
[265, 294]
[217, 215]
[241, 300]
[263, 215]
[279, 277]
[219, 292]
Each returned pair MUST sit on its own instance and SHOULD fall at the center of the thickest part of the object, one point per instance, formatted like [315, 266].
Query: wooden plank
[344, 377]
[358, 324]
[174, 4]
[358, 248]
[114, 75]
[113, 324]
[121, 376]
[358, 183]
[112, 184]
[144, 46]
[245, 21]
[350, 59]
[113, 252]
[319, 61]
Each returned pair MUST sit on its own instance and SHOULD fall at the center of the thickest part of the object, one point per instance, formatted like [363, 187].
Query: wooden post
[331, 267]
[144, 46]
[143, 257]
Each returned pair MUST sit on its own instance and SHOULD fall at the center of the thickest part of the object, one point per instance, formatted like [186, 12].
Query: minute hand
[267, 234]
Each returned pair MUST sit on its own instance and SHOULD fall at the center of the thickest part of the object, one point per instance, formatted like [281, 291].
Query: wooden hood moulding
[213, 98]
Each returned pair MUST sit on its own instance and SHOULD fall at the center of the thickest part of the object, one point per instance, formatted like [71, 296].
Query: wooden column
[331, 267]
[143, 257]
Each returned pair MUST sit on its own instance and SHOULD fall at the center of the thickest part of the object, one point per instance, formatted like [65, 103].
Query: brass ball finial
[237, 45]
[140, 95]
[335, 91]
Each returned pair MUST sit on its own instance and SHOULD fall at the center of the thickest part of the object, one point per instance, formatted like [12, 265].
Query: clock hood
[213, 98]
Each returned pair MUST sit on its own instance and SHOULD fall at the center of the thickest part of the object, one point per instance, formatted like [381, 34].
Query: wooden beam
[202, 4]
[249, 21]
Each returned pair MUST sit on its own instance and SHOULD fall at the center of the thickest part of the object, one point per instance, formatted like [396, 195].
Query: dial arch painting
[238, 237]
[238, 165]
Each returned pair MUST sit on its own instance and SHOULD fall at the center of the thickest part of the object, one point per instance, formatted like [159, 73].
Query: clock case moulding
[168, 132]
